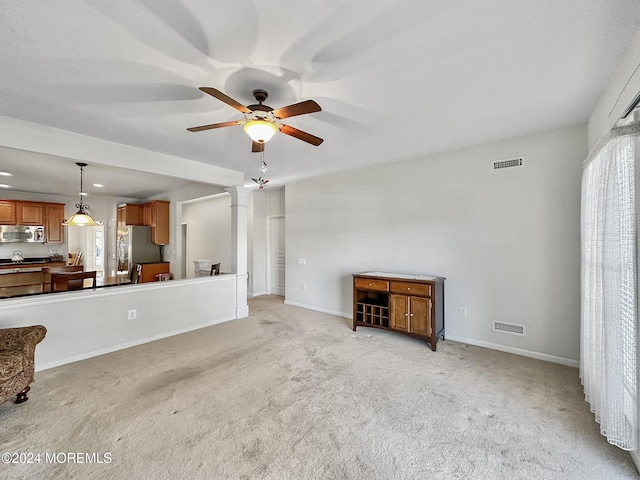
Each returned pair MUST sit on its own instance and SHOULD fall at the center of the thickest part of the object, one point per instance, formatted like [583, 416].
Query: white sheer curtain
[609, 335]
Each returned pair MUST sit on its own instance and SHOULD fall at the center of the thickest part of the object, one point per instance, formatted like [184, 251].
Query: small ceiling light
[82, 218]
[4, 185]
[6, 174]
[260, 131]
[98, 185]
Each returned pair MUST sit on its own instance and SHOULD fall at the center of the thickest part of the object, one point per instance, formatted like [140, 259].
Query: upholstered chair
[17, 350]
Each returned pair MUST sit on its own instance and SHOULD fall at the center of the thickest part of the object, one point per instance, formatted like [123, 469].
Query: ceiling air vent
[507, 163]
[512, 328]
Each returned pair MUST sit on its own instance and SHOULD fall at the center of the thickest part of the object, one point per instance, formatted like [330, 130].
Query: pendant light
[82, 218]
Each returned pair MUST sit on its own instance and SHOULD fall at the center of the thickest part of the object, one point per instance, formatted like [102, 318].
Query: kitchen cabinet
[30, 213]
[129, 214]
[156, 213]
[7, 212]
[53, 218]
[150, 270]
[22, 212]
[404, 303]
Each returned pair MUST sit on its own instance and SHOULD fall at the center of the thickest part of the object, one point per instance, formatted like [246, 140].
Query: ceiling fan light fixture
[260, 131]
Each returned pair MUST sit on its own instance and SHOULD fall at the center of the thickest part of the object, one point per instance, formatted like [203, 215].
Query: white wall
[507, 241]
[89, 323]
[209, 231]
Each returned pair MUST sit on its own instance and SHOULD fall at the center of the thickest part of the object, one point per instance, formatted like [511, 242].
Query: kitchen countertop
[4, 271]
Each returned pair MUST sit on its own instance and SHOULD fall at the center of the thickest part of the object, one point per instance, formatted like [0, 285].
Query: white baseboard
[257, 294]
[122, 346]
[516, 351]
[478, 343]
[319, 309]
[635, 455]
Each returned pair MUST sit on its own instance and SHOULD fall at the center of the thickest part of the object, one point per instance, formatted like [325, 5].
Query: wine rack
[372, 314]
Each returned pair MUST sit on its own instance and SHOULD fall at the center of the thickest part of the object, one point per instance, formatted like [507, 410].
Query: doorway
[93, 247]
[275, 255]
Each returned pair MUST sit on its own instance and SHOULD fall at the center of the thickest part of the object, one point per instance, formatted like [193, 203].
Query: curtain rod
[631, 129]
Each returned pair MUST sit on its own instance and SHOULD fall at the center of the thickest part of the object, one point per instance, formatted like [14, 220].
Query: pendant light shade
[82, 218]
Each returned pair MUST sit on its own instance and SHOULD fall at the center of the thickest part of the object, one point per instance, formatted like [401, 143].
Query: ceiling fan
[261, 122]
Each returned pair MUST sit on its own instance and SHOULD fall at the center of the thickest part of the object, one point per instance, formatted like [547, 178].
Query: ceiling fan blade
[300, 135]
[214, 125]
[308, 106]
[226, 99]
[257, 147]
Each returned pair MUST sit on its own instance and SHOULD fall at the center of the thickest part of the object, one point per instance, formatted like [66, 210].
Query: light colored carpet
[290, 393]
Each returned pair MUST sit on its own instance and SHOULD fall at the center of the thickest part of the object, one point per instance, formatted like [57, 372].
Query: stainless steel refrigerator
[133, 245]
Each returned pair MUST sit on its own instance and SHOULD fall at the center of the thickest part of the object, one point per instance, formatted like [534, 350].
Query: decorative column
[239, 218]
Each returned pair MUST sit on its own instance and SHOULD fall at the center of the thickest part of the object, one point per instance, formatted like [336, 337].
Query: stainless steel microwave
[21, 234]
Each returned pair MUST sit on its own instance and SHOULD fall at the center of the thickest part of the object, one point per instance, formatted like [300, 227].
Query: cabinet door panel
[399, 312]
[53, 229]
[420, 314]
[30, 214]
[7, 213]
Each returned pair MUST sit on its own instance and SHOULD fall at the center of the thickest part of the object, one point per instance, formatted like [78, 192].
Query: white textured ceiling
[395, 79]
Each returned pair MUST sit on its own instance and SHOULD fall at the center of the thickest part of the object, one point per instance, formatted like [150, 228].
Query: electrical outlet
[463, 311]
[302, 261]
[132, 314]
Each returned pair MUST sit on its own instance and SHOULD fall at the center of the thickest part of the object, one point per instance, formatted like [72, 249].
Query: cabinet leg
[22, 396]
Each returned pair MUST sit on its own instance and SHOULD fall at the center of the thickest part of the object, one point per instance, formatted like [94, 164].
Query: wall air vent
[507, 163]
[512, 328]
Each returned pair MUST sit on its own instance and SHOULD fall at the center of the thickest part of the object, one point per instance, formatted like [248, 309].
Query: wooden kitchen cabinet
[150, 270]
[156, 213]
[129, 214]
[404, 303]
[7, 212]
[49, 215]
[53, 218]
[30, 213]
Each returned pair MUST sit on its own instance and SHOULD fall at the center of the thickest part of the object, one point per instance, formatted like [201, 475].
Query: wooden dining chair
[78, 259]
[71, 281]
[215, 269]
[136, 273]
[47, 271]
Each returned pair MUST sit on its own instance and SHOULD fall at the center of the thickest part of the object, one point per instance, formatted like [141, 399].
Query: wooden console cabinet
[404, 303]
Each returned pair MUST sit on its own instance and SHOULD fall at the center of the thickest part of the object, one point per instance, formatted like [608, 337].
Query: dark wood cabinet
[409, 304]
